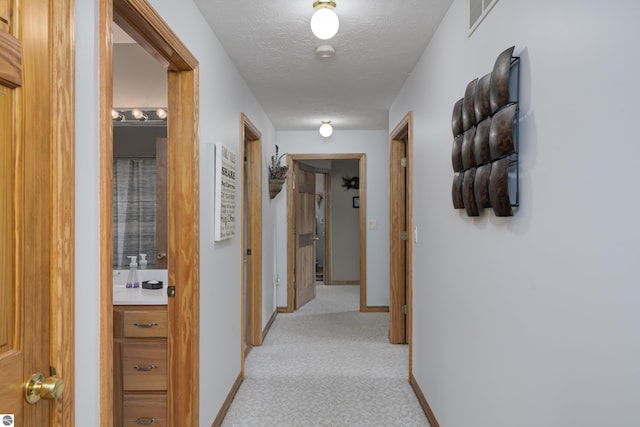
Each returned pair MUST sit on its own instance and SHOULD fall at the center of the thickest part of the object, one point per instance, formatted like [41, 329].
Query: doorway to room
[142, 23]
[357, 205]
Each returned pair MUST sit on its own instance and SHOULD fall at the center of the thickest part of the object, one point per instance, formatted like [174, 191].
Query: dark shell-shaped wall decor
[501, 133]
[456, 154]
[468, 195]
[456, 118]
[481, 150]
[481, 186]
[456, 191]
[499, 188]
[468, 158]
[482, 102]
[499, 94]
[468, 108]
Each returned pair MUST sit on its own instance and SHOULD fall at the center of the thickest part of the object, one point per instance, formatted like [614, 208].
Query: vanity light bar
[132, 115]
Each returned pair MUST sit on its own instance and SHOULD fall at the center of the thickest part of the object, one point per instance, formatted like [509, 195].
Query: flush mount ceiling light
[326, 129]
[324, 22]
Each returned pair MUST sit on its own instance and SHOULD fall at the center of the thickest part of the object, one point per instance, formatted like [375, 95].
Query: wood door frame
[250, 133]
[147, 28]
[362, 170]
[403, 133]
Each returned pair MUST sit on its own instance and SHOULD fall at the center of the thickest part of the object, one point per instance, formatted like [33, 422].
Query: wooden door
[305, 234]
[11, 354]
[398, 239]
[36, 210]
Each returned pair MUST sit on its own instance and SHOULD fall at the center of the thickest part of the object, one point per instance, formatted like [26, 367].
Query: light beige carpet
[327, 365]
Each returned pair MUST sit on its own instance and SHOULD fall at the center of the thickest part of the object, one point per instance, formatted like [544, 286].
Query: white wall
[345, 224]
[532, 320]
[376, 146]
[223, 95]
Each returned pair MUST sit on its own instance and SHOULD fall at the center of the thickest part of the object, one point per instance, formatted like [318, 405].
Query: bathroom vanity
[140, 329]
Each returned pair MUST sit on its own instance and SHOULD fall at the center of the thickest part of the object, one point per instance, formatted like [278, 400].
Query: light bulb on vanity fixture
[138, 114]
[324, 22]
[117, 115]
[326, 129]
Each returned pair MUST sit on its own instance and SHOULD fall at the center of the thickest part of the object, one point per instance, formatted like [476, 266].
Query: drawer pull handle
[146, 421]
[145, 325]
[144, 368]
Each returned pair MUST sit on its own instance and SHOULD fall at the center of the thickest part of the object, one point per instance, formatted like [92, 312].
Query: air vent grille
[478, 9]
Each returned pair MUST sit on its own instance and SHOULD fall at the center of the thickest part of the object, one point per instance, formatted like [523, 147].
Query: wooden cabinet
[140, 365]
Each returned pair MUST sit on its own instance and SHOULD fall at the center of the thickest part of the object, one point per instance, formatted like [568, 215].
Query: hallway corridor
[327, 365]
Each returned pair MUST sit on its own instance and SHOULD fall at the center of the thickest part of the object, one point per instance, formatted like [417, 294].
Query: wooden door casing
[138, 19]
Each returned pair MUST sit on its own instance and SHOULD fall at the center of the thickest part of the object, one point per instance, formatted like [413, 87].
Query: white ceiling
[271, 44]
[377, 46]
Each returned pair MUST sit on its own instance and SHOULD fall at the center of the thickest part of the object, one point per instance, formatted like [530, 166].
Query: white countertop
[138, 296]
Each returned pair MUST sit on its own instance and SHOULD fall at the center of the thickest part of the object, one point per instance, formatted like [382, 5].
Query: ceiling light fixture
[326, 129]
[324, 22]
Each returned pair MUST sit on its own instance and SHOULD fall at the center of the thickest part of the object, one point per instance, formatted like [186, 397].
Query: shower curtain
[134, 210]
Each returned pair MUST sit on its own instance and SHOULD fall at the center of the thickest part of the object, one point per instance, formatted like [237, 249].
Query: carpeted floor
[327, 364]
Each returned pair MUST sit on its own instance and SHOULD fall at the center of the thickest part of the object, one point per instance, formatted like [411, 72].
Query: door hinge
[403, 309]
[248, 251]
[171, 291]
[403, 162]
[403, 235]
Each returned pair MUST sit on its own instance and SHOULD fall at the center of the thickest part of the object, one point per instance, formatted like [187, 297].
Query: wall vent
[478, 9]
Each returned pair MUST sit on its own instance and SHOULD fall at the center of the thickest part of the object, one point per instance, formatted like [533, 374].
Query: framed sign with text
[225, 193]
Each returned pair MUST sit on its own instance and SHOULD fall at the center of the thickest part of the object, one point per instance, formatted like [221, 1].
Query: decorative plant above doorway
[277, 174]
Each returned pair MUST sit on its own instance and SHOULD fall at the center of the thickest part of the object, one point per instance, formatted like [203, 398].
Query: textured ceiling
[271, 44]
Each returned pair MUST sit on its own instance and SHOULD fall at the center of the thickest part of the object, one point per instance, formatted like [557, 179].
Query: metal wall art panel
[468, 157]
[456, 191]
[481, 150]
[501, 141]
[456, 118]
[468, 106]
[481, 186]
[456, 153]
[468, 194]
[484, 154]
[500, 80]
[499, 188]
[482, 102]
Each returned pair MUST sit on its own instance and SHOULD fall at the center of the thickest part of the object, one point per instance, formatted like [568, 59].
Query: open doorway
[357, 206]
[142, 23]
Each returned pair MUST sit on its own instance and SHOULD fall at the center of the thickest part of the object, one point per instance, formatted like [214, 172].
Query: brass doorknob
[315, 238]
[39, 387]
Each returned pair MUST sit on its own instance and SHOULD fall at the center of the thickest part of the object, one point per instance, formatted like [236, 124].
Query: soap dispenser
[132, 280]
[143, 261]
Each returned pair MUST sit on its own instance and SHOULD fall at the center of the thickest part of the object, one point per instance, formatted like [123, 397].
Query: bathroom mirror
[139, 195]
[139, 155]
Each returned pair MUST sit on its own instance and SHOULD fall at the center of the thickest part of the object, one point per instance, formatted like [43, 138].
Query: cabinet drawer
[144, 365]
[145, 409]
[143, 324]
